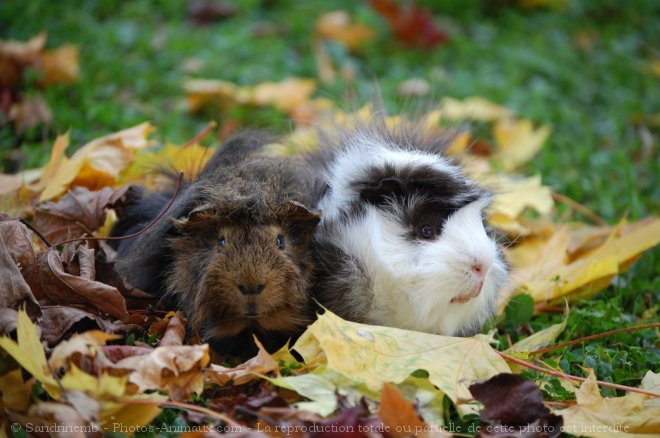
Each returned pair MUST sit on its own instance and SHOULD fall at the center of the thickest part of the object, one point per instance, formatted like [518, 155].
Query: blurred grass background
[583, 67]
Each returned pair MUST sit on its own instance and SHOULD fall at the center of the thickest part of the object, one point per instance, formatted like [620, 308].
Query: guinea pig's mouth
[473, 292]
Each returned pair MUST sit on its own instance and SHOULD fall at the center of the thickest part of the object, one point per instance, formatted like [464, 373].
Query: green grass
[596, 99]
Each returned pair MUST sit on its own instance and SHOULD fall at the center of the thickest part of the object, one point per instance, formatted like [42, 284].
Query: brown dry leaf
[517, 142]
[599, 417]
[79, 346]
[23, 52]
[175, 369]
[16, 256]
[97, 164]
[175, 331]
[262, 363]
[60, 66]
[57, 415]
[80, 212]
[30, 113]
[8, 320]
[338, 26]
[400, 416]
[64, 288]
[56, 321]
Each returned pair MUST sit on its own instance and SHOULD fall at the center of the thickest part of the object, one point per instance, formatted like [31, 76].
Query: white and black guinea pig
[402, 240]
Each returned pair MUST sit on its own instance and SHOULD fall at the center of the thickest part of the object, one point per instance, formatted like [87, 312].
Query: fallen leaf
[190, 160]
[472, 108]
[175, 369]
[175, 331]
[376, 355]
[262, 363]
[60, 66]
[64, 288]
[15, 392]
[30, 113]
[80, 347]
[503, 397]
[80, 212]
[540, 339]
[7, 320]
[399, 415]
[338, 26]
[286, 95]
[517, 141]
[95, 165]
[548, 273]
[601, 417]
[54, 416]
[28, 351]
[24, 52]
[412, 25]
[16, 255]
[56, 321]
[203, 12]
[514, 196]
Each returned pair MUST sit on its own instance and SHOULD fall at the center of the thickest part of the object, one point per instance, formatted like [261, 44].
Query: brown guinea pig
[234, 250]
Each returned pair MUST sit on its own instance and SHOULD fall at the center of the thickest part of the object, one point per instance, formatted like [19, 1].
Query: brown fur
[249, 201]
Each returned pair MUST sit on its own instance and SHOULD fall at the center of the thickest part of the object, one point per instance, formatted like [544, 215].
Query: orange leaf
[398, 414]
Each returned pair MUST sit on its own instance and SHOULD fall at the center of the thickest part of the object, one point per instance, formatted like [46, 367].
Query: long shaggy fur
[381, 188]
[234, 252]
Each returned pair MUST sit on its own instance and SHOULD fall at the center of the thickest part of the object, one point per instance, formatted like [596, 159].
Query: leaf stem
[185, 406]
[572, 377]
[149, 225]
[201, 135]
[576, 206]
[35, 231]
[596, 336]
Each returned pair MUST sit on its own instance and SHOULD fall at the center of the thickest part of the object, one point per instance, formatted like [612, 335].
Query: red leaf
[413, 25]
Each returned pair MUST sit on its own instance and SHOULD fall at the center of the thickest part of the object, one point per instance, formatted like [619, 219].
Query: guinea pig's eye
[280, 241]
[426, 232]
[222, 241]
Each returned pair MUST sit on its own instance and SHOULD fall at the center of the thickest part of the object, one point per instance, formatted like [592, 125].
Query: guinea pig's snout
[251, 294]
[478, 270]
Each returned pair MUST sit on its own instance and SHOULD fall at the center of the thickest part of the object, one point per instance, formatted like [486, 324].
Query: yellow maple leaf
[28, 351]
[547, 271]
[601, 417]
[95, 165]
[60, 66]
[190, 160]
[338, 26]
[472, 108]
[517, 142]
[374, 355]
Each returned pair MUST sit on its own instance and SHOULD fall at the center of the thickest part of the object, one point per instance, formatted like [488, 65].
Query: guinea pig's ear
[376, 192]
[301, 219]
[199, 217]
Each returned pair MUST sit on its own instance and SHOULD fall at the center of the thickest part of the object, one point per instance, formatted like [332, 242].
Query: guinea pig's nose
[479, 268]
[251, 290]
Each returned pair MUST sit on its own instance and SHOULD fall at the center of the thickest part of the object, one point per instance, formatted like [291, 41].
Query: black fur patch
[419, 195]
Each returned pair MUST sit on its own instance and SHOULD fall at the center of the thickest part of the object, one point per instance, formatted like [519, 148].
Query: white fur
[413, 282]
[352, 162]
